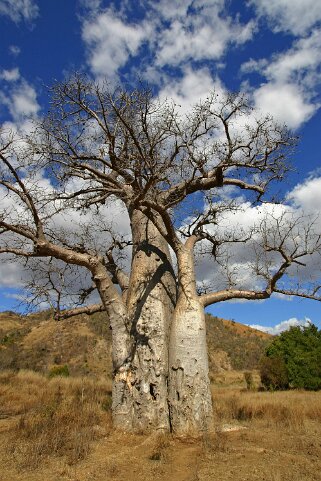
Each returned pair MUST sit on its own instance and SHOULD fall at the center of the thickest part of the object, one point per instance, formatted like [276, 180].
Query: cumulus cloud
[246, 265]
[10, 75]
[18, 10]
[198, 31]
[295, 16]
[110, 42]
[307, 195]
[190, 88]
[23, 102]
[180, 34]
[291, 81]
[285, 102]
[301, 61]
[11, 273]
[91, 5]
[292, 77]
[282, 326]
[20, 98]
[65, 223]
[172, 33]
[170, 10]
[238, 261]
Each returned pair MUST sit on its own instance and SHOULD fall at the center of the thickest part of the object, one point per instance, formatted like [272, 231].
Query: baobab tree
[175, 178]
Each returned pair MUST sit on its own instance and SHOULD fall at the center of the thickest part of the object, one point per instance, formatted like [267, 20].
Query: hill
[38, 342]
[242, 345]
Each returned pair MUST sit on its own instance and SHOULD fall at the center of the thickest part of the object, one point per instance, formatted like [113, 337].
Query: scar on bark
[125, 376]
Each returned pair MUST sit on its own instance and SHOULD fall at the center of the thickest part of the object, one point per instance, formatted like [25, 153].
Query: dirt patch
[251, 455]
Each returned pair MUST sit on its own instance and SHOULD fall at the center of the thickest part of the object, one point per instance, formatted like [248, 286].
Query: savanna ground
[60, 429]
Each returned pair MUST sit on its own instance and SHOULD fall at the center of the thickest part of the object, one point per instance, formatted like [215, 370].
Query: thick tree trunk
[189, 386]
[150, 301]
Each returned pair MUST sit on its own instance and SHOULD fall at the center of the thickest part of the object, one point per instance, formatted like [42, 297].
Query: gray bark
[189, 385]
[121, 348]
[150, 302]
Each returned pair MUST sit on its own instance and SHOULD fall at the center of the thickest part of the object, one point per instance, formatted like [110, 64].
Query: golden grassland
[60, 429]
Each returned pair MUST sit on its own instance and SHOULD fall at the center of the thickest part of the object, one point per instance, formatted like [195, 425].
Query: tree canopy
[293, 360]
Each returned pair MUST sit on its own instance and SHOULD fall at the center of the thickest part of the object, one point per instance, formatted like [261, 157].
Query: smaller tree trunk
[122, 401]
[190, 400]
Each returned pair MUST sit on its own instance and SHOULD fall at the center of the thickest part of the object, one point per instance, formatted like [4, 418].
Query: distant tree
[294, 360]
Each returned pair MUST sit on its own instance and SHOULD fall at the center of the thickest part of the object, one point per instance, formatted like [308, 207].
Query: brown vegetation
[57, 417]
[243, 345]
[60, 429]
[38, 342]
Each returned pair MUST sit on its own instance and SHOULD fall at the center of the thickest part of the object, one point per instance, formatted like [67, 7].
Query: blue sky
[270, 49]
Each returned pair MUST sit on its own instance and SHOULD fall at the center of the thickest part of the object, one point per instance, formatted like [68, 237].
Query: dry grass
[60, 429]
[283, 409]
[57, 417]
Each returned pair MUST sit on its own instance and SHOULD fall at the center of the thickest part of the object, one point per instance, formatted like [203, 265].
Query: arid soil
[60, 429]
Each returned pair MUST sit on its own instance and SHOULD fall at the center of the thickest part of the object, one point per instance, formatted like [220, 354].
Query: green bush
[293, 360]
[59, 370]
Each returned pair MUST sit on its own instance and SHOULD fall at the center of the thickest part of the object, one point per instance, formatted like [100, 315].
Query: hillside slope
[243, 345]
[39, 342]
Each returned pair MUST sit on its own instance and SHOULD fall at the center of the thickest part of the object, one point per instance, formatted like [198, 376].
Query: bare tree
[177, 177]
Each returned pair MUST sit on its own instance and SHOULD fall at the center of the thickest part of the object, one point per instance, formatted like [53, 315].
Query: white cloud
[20, 99]
[170, 10]
[70, 226]
[10, 75]
[292, 78]
[300, 62]
[10, 273]
[282, 326]
[14, 50]
[18, 10]
[198, 34]
[193, 86]
[297, 64]
[110, 42]
[240, 261]
[307, 195]
[174, 33]
[295, 16]
[91, 5]
[24, 101]
[285, 102]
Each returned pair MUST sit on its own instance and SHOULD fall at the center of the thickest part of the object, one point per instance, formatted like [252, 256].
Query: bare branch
[89, 310]
[228, 294]
[315, 295]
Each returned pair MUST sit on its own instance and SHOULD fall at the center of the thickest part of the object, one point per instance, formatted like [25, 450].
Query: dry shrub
[20, 391]
[290, 409]
[63, 420]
